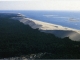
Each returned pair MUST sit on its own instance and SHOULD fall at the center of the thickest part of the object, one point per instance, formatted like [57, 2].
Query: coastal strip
[57, 30]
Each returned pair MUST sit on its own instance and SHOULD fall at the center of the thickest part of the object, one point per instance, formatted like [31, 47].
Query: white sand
[58, 30]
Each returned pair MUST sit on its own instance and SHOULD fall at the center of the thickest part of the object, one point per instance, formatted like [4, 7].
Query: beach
[57, 30]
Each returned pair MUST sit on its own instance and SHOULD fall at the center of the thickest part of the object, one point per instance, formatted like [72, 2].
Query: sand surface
[57, 30]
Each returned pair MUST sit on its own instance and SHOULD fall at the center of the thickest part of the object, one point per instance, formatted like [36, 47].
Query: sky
[39, 4]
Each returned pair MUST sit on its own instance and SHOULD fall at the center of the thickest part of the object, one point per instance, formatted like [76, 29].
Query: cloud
[18, 0]
[40, 4]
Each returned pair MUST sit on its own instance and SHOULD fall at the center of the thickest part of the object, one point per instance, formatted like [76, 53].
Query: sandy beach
[57, 30]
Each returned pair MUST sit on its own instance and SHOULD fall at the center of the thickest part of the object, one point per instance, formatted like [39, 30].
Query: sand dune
[57, 30]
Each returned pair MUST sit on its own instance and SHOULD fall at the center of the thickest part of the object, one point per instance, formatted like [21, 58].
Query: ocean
[69, 19]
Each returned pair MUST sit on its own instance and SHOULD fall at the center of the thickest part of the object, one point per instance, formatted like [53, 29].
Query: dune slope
[57, 30]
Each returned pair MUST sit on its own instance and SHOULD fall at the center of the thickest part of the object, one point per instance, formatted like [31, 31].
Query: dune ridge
[57, 30]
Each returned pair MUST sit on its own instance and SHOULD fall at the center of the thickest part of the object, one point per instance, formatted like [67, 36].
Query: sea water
[69, 19]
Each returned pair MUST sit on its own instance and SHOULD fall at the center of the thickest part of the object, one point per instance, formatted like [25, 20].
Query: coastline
[57, 30]
[47, 26]
[24, 39]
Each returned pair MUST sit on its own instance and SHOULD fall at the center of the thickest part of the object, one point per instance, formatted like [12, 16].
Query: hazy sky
[39, 4]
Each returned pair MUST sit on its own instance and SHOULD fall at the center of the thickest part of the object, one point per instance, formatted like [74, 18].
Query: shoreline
[57, 30]
[46, 27]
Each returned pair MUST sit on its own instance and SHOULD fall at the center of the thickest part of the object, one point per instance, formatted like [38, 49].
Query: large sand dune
[57, 30]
